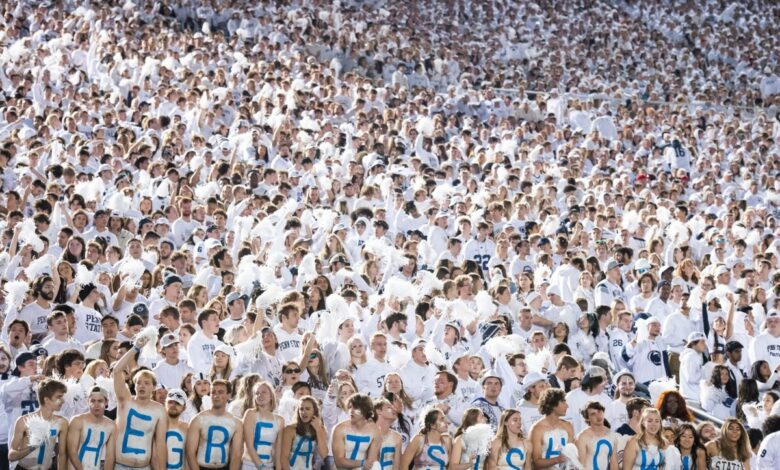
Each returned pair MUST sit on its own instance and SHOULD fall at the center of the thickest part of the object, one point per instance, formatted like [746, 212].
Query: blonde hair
[642, 434]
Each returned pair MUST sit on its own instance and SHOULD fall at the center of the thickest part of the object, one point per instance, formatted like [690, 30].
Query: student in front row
[141, 422]
[91, 435]
[305, 436]
[42, 456]
[215, 437]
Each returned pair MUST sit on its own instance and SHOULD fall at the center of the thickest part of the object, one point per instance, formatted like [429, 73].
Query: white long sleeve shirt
[691, 374]
[765, 347]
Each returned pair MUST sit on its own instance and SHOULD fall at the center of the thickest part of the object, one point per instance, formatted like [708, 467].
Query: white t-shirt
[55, 346]
[169, 376]
[370, 377]
[35, 316]
[200, 351]
[88, 327]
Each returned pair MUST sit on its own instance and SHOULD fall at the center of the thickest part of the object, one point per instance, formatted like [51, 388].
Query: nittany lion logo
[654, 357]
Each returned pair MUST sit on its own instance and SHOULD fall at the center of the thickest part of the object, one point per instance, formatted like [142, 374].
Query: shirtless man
[390, 448]
[353, 438]
[215, 437]
[91, 435]
[596, 444]
[141, 422]
[45, 455]
[175, 402]
[550, 434]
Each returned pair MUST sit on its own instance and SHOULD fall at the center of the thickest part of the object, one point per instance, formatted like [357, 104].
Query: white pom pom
[150, 333]
[485, 305]
[570, 452]
[38, 430]
[270, 296]
[133, 270]
[434, 355]
[308, 267]
[427, 283]
[398, 357]
[27, 233]
[39, 267]
[15, 292]
[477, 439]
[399, 288]
[84, 276]
[498, 346]
[659, 386]
[460, 311]
[425, 126]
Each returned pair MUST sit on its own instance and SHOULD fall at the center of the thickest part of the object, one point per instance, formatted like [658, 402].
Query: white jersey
[481, 252]
[769, 452]
[606, 292]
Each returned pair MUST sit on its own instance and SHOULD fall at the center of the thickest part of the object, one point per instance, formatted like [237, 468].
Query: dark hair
[66, 358]
[771, 424]
[431, 416]
[362, 403]
[451, 378]
[747, 393]
[729, 387]
[550, 399]
[636, 404]
[696, 441]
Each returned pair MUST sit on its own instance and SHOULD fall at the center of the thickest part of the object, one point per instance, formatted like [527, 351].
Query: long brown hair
[470, 417]
[306, 429]
[741, 451]
[503, 433]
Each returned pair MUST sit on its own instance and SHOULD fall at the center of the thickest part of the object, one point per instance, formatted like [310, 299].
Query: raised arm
[120, 371]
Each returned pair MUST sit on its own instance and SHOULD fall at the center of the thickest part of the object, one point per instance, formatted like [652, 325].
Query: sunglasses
[292, 371]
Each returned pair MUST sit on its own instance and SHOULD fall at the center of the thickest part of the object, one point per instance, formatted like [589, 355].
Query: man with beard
[91, 435]
[626, 387]
[36, 313]
[175, 403]
[184, 225]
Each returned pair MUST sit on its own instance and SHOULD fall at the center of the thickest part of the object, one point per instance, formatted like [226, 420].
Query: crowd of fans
[390, 235]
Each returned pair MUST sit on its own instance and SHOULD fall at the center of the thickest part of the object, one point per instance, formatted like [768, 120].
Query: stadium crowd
[389, 235]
